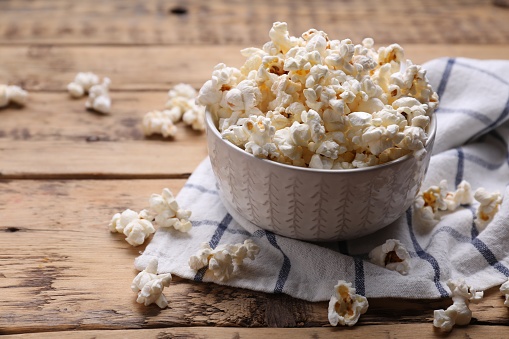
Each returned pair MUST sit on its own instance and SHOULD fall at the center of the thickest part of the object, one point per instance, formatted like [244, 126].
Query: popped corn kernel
[159, 122]
[99, 97]
[82, 84]
[120, 220]
[489, 204]
[165, 211]
[378, 100]
[181, 104]
[345, 307]
[223, 259]
[137, 231]
[391, 255]
[505, 290]
[458, 313]
[462, 196]
[149, 285]
[13, 94]
[429, 202]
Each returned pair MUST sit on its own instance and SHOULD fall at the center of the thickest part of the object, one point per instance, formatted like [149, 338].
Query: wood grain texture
[51, 68]
[61, 269]
[55, 137]
[246, 22]
[424, 331]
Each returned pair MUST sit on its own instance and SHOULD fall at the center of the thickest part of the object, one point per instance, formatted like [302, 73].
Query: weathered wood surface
[375, 331]
[55, 137]
[51, 68]
[61, 269]
[247, 22]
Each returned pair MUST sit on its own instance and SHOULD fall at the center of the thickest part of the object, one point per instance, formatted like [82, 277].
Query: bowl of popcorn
[319, 139]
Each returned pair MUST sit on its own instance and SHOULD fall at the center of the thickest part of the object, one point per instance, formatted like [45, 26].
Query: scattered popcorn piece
[133, 225]
[121, 220]
[159, 122]
[462, 196]
[99, 97]
[137, 231]
[489, 206]
[345, 307]
[391, 255]
[149, 285]
[82, 84]
[458, 313]
[221, 261]
[316, 99]
[182, 104]
[429, 202]
[505, 290]
[13, 94]
[166, 212]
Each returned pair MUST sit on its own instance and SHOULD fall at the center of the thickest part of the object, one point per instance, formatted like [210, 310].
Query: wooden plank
[51, 68]
[55, 137]
[424, 331]
[61, 269]
[246, 22]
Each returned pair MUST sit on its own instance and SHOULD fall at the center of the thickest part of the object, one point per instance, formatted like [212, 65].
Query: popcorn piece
[99, 97]
[489, 206]
[458, 313]
[167, 213]
[157, 122]
[13, 94]
[391, 255]
[137, 231]
[181, 104]
[462, 196]
[136, 228]
[345, 307]
[311, 87]
[120, 220]
[221, 261]
[82, 84]
[149, 285]
[429, 202]
[505, 290]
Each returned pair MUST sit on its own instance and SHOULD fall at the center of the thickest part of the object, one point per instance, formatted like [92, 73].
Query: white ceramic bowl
[314, 204]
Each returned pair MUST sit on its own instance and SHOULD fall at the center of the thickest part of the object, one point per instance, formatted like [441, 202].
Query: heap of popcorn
[321, 103]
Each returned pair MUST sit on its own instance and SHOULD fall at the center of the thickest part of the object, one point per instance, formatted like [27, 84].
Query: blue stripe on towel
[493, 75]
[214, 241]
[445, 77]
[460, 167]
[426, 256]
[359, 276]
[284, 272]
[503, 115]
[471, 113]
[201, 188]
[489, 256]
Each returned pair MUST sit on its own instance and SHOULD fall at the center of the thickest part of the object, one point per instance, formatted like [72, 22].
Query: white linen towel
[471, 144]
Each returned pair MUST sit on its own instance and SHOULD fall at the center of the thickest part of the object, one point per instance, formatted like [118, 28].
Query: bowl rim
[211, 127]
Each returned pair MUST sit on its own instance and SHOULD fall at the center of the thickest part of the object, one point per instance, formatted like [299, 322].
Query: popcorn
[166, 212]
[132, 225]
[13, 94]
[436, 198]
[99, 97]
[345, 307]
[159, 122]
[489, 206]
[458, 313]
[149, 285]
[82, 84]
[221, 261]
[391, 255]
[505, 290]
[379, 101]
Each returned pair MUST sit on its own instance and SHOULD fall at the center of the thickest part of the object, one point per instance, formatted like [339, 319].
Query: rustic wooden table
[65, 171]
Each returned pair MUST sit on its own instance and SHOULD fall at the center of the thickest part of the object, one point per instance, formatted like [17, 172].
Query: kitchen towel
[471, 144]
